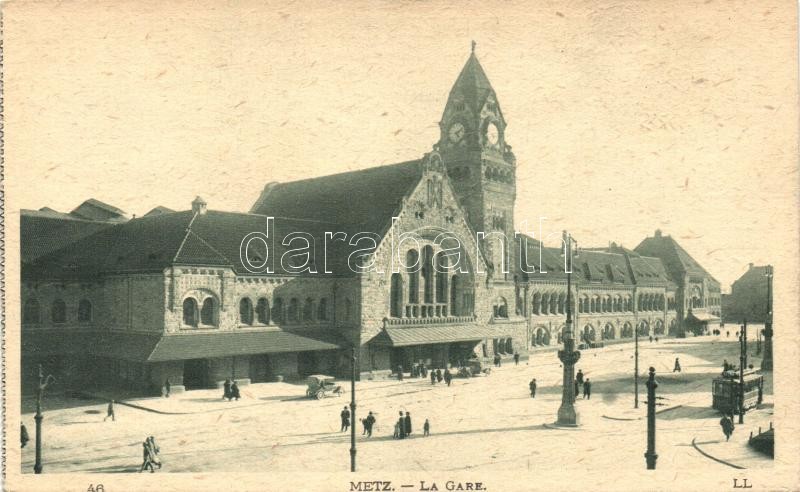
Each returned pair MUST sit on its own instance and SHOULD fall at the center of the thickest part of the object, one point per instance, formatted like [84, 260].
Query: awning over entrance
[404, 336]
[156, 347]
[702, 317]
[205, 345]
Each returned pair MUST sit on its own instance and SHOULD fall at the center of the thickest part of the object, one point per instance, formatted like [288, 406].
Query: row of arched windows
[548, 303]
[605, 304]
[294, 313]
[651, 302]
[195, 315]
[32, 311]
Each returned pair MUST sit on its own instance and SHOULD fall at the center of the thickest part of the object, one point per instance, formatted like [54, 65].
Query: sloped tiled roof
[676, 259]
[403, 336]
[96, 210]
[44, 231]
[357, 201]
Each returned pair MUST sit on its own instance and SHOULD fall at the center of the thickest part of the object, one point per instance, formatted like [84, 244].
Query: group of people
[651, 339]
[231, 390]
[402, 428]
[438, 375]
[150, 455]
[581, 383]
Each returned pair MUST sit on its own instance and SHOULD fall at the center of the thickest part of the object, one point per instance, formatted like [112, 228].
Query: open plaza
[486, 422]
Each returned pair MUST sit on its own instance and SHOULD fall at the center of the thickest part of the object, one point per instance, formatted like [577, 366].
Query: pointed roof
[472, 84]
[677, 260]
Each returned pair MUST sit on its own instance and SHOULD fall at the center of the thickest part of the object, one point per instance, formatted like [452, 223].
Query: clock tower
[480, 163]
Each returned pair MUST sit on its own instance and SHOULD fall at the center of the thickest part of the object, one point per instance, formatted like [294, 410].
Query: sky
[624, 117]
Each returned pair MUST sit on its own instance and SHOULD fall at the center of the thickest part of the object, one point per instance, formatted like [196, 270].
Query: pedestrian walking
[407, 423]
[426, 428]
[577, 390]
[532, 386]
[497, 360]
[345, 416]
[579, 378]
[110, 412]
[363, 426]
[438, 375]
[587, 389]
[433, 376]
[396, 430]
[23, 435]
[727, 426]
[369, 422]
[167, 388]
[448, 378]
[399, 373]
[516, 358]
[401, 422]
[154, 450]
[226, 395]
[147, 461]
[235, 391]
[677, 367]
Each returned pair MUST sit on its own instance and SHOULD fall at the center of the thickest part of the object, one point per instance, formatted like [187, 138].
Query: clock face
[492, 134]
[456, 132]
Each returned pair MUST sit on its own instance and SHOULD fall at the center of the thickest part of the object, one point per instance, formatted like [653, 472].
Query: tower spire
[473, 46]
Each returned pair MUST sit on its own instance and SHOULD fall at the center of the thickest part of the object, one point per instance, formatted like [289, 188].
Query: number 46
[98, 488]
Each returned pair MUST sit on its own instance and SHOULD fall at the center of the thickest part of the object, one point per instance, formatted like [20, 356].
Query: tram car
[725, 391]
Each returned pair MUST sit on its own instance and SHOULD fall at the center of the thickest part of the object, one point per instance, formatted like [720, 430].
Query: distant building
[107, 300]
[748, 297]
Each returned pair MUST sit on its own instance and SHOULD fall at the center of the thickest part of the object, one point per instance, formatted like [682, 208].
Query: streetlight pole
[766, 361]
[636, 368]
[568, 415]
[742, 364]
[651, 455]
[43, 382]
[353, 411]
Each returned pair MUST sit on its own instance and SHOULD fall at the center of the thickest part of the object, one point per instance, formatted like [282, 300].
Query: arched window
[294, 310]
[592, 305]
[277, 310]
[59, 311]
[545, 303]
[536, 303]
[245, 311]
[412, 267]
[322, 309]
[427, 273]
[32, 313]
[396, 296]
[262, 311]
[627, 330]
[84, 311]
[455, 287]
[500, 308]
[553, 303]
[441, 278]
[509, 346]
[208, 313]
[308, 309]
[561, 302]
[190, 312]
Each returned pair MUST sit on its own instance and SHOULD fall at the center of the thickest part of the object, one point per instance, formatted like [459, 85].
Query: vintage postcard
[400, 246]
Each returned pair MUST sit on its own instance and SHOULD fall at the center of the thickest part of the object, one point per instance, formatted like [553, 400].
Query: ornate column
[568, 415]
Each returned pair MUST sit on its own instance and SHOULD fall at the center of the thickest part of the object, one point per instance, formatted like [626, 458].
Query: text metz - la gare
[374, 486]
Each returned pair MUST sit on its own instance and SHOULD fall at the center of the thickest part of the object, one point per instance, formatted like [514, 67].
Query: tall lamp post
[353, 411]
[766, 361]
[742, 364]
[568, 415]
[43, 382]
[636, 368]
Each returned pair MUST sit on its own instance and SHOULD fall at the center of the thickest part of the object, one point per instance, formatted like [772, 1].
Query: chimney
[658, 232]
[199, 206]
[751, 266]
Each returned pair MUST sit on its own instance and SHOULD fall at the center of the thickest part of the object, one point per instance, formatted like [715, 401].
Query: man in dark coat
[532, 386]
[587, 389]
[167, 387]
[447, 377]
[516, 358]
[433, 376]
[401, 425]
[345, 415]
[579, 377]
[23, 435]
[407, 424]
[235, 391]
[677, 367]
[368, 423]
[438, 375]
[727, 426]
[577, 390]
[110, 411]
[399, 373]
[226, 395]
